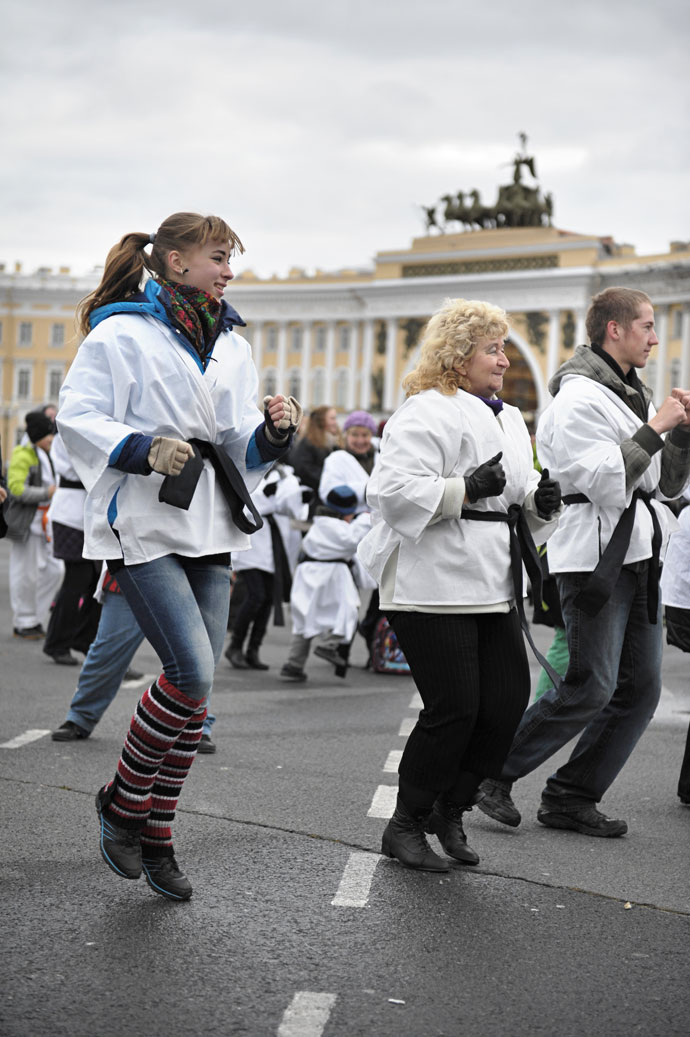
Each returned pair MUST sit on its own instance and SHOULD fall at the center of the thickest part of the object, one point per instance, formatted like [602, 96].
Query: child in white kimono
[325, 599]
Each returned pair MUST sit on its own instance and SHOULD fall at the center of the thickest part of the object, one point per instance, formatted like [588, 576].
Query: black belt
[522, 549]
[325, 561]
[282, 577]
[70, 484]
[600, 583]
[178, 490]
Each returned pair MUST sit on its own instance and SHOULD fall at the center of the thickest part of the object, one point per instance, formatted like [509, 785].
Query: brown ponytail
[126, 262]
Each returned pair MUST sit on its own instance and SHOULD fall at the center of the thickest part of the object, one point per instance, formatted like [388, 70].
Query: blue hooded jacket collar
[150, 303]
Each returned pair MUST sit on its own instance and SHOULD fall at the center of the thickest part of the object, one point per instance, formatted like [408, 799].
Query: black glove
[486, 481]
[547, 495]
[270, 488]
[307, 495]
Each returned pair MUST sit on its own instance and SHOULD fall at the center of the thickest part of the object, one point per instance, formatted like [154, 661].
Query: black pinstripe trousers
[472, 673]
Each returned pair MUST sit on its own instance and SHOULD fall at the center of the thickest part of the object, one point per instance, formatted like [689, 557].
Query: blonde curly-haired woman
[454, 461]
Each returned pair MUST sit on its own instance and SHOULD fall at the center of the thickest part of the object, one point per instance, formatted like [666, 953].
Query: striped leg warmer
[156, 835]
[160, 717]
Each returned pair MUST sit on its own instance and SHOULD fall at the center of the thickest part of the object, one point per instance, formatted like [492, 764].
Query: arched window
[270, 386]
[342, 385]
[345, 338]
[271, 339]
[318, 387]
[295, 382]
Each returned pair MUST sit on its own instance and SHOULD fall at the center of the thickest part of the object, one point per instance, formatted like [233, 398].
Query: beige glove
[168, 456]
[278, 428]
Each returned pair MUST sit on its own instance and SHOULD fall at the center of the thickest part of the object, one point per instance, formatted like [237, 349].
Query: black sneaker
[69, 732]
[63, 658]
[206, 745]
[36, 633]
[329, 654]
[585, 819]
[493, 799]
[164, 876]
[292, 673]
[120, 847]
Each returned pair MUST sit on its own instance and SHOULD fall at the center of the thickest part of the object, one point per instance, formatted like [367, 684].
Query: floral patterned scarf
[194, 312]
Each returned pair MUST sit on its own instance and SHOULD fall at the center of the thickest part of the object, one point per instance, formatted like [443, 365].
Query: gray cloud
[318, 132]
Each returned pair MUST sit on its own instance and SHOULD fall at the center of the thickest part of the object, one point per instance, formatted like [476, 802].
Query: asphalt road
[297, 927]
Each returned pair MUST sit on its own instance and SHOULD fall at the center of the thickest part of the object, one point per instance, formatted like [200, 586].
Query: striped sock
[161, 715]
[156, 835]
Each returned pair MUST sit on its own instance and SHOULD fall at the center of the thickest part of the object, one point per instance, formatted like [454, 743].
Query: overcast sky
[318, 130]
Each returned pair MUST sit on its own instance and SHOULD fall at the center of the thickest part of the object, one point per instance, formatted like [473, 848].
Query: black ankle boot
[234, 655]
[252, 657]
[404, 838]
[445, 821]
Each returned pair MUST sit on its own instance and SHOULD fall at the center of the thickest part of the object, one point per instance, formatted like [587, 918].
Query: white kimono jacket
[675, 577]
[324, 594]
[447, 560]
[66, 504]
[342, 469]
[131, 374]
[578, 440]
[285, 503]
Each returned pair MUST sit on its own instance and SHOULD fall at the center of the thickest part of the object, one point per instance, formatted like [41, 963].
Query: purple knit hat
[360, 417]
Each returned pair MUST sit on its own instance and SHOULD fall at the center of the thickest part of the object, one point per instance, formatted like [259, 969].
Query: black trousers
[74, 619]
[255, 609]
[472, 673]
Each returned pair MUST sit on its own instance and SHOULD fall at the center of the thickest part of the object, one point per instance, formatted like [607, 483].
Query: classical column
[330, 362]
[659, 387]
[580, 329]
[367, 361]
[390, 371]
[281, 359]
[257, 343]
[307, 342]
[685, 348]
[553, 354]
[352, 380]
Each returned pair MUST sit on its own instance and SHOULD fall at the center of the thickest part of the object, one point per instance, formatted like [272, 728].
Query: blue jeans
[109, 657]
[181, 605]
[609, 693]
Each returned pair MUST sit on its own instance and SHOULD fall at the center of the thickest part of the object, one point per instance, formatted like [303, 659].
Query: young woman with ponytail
[159, 416]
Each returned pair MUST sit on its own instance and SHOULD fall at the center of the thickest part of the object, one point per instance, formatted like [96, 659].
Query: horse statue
[484, 216]
[455, 209]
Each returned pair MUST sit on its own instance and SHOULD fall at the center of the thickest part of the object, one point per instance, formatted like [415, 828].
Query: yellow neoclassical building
[347, 338]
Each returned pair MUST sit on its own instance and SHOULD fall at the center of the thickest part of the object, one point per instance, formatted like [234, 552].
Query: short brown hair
[619, 304]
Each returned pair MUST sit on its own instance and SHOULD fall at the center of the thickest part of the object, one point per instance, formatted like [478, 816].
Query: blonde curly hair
[453, 334]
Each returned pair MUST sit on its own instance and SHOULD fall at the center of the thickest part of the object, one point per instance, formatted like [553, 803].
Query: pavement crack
[266, 826]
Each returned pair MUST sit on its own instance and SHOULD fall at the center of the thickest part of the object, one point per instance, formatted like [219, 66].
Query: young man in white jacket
[616, 459]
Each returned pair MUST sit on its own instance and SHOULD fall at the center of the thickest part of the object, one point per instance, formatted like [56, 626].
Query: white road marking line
[28, 736]
[406, 726]
[670, 708]
[416, 702]
[307, 1014]
[391, 764]
[383, 803]
[355, 884]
